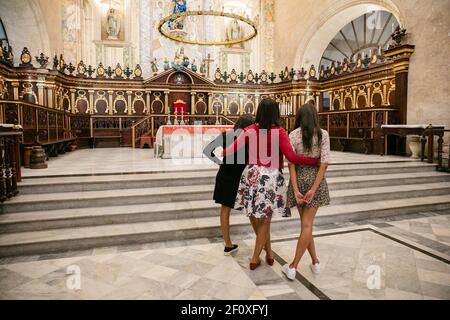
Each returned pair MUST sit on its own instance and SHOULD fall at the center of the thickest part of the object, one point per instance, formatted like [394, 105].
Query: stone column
[369, 95]
[130, 103]
[385, 101]
[210, 103]
[40, 86]
[166, 102]
[50, 96]
[225, 104]
[110, 102]
[72, 100]
[15, 86]
[91, 101]
[193, 111]
[146, 37]
[148, 105]
[241, 104]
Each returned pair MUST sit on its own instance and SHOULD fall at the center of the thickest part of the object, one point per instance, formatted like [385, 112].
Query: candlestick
[182, 117]
[217, 116]
[175, 122]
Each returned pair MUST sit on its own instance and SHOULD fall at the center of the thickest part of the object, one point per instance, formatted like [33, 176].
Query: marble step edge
[71, 239]
[199, 190]
[378, 179]
[332, 171]
[80, 217]
[196, 204]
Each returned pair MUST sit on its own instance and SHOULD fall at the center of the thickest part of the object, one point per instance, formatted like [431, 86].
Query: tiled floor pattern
[350, 260]
[200, 271]
[434, 228]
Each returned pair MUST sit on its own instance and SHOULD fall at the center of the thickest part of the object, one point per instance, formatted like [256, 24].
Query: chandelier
[168, 27]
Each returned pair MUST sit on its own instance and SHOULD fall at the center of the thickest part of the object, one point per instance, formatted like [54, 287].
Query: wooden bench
[345, 142]
[53, 148]
[110, 140]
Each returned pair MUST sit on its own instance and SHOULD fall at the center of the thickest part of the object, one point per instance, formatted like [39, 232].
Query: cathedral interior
[95, 93]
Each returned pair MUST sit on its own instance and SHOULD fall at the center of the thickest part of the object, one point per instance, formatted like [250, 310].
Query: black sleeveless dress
[229, 175]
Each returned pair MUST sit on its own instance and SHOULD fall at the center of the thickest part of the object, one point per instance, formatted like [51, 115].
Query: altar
[182, 142]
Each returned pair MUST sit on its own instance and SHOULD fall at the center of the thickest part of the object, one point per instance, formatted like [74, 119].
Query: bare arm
[293, 175]
[210, 148]
[294, 182]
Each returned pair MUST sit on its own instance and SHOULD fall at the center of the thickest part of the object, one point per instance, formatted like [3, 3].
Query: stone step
[68, 200]
[169, 179]
[91, 216]
[48, 241]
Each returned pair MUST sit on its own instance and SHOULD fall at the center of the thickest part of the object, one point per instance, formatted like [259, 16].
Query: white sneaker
[289, 272]
[315, 268]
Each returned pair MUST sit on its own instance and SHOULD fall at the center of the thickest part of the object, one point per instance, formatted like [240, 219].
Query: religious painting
[113, 21]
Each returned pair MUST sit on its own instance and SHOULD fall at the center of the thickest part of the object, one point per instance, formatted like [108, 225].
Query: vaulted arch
[25, 25]
[336, 17]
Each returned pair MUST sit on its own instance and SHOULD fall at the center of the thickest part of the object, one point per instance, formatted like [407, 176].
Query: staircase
[55, 214]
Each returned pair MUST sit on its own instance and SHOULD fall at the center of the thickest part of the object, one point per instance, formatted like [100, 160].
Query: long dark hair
[244, 121]
[308, 120]
[268, 114]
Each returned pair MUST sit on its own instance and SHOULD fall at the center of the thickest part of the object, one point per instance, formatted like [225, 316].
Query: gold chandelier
[182, 39]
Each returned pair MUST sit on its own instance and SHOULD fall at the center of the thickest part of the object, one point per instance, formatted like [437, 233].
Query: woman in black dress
[228, 177]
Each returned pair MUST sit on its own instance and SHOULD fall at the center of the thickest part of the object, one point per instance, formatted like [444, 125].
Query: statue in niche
[180, 59]
[234, 32]
[112, 25]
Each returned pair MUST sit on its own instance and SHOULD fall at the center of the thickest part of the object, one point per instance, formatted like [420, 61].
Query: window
[3, 37]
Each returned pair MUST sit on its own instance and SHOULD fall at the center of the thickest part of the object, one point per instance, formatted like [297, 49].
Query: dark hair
[244, 121]
[308, 120]
[268, 114]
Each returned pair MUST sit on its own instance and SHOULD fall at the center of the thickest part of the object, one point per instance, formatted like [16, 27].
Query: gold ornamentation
[243, 19]
[101, 70]
[118, 71]
[25, 57]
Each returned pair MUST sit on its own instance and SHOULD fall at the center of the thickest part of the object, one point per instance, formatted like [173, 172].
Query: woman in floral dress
[262, 189]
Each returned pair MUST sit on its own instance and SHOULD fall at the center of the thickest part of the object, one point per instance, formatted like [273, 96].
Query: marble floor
[128, 160]
[400, 259]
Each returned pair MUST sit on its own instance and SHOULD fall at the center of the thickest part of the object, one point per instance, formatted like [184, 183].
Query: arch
[320, 33]
[3, 35]
[25, 25]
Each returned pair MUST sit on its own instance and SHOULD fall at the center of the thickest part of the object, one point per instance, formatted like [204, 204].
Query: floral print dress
[307, 175]
[262, 192]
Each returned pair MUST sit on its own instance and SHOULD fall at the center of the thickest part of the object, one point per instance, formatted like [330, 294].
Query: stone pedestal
[415, 146]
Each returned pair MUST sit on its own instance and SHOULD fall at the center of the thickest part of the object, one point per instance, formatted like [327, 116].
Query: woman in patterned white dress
[308, 189]
[262, 189]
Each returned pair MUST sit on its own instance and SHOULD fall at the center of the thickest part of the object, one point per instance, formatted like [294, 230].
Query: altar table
[185, 141]
[422, 130]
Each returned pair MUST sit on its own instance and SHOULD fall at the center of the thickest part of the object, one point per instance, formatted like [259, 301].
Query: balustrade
[10, 172]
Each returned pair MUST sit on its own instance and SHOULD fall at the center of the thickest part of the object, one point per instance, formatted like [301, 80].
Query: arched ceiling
[369, 31]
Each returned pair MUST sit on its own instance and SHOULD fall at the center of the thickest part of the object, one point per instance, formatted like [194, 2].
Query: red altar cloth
[180, 107]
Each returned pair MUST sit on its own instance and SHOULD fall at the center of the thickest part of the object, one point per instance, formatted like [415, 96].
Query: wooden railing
[150, 125]
[443, 159]
[117, 127]
[40, 124]
[10, 174]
